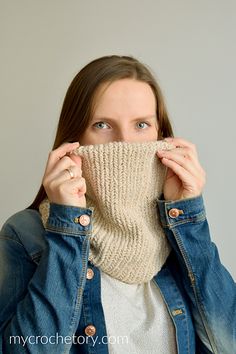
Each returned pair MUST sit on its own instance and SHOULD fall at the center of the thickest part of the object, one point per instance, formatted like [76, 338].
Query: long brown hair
[77, 108]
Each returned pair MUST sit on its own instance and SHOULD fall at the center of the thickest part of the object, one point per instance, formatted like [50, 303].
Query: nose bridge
[124, 134]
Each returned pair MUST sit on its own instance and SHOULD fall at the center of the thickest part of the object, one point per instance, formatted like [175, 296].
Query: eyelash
[95, 124]
[144, 123]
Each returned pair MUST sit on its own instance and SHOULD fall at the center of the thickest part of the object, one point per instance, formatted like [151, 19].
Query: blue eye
[142, 125]
[100, 125]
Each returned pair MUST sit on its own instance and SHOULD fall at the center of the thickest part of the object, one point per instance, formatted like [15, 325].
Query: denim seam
[69, 232]
[196, 293]
[10, 239]
[185, 221]
[78, 302]
[81, 284]
[191, 269]
[201, 305]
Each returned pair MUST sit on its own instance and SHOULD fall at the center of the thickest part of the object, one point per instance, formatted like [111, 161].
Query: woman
[114, 254]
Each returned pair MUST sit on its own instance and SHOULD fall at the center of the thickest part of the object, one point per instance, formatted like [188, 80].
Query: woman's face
[125, 110]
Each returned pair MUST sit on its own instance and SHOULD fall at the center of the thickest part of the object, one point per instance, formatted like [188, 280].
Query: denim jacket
[50, 303]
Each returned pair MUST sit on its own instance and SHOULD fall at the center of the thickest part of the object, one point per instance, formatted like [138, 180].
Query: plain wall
[191, 47]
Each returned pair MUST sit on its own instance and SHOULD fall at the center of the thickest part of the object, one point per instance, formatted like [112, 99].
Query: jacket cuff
[69, 219]
[181, 211]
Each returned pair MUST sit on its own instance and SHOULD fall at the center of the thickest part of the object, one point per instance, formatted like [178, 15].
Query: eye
[101, 125]
[142, 125]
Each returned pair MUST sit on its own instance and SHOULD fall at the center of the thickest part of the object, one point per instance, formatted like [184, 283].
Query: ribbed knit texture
[123, 183]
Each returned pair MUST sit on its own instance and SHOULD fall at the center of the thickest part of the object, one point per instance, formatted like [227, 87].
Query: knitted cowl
[123, 183]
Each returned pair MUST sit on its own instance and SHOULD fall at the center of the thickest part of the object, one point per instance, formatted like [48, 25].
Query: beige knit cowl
[123, 183]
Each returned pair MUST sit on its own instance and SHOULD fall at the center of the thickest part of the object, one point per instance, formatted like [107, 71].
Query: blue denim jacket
[47, 302]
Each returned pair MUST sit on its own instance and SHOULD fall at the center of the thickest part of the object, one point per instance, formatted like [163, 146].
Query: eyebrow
[133, 120]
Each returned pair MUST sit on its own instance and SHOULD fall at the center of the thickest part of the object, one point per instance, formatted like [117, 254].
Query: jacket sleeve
[35, 313]
[209, 286]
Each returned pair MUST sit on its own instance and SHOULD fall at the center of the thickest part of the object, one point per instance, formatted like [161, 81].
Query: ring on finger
[69, 170]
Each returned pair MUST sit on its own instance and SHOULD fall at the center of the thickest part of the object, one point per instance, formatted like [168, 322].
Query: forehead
[125, 94]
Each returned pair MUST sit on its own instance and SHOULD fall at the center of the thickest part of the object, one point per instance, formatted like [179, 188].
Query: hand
[63, 181]
[185, 176]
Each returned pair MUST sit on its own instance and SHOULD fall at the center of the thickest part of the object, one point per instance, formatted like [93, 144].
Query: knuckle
[51, 154]
[67, 159]
[187, 156]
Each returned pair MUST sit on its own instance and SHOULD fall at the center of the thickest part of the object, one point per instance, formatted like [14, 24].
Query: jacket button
[90, 274]
[90, 330]
[84, 220]
[174, 213]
